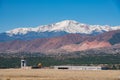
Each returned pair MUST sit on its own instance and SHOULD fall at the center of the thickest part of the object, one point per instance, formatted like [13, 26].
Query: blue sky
[31, 13]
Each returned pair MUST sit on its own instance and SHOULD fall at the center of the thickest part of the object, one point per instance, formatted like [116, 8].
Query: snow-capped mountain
[54, 30]
[68, 26]
[58, 38]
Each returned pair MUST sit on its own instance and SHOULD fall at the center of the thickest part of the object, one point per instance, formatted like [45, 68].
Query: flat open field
[51, 74]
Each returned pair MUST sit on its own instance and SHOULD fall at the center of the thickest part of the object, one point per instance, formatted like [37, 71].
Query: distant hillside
[115, 39]
[64, 44]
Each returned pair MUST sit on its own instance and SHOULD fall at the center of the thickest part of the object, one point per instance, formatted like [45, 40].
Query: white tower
[23, 63]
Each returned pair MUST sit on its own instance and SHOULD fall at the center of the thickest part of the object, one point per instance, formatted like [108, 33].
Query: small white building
[79, 67]
[23, 63]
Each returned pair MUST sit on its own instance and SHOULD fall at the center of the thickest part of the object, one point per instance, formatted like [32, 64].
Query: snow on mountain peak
[18, 31]
[69, 26]
[68, 22]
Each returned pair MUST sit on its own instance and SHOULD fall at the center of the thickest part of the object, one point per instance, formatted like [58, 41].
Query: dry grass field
[51, 74]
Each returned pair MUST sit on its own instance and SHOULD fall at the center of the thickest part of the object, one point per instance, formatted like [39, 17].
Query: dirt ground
[52, 74]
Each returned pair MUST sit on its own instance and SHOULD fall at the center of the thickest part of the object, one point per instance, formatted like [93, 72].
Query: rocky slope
[63, 44]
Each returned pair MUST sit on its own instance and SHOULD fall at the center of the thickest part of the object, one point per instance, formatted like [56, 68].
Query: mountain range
[55, 30]
[62, 37]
